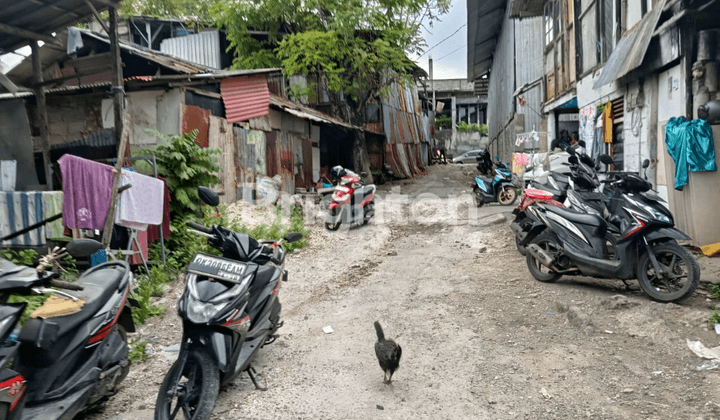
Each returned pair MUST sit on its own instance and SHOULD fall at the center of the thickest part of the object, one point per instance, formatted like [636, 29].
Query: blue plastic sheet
[690, 144]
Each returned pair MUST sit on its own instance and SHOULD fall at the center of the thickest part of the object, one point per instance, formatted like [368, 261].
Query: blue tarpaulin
[690, 144]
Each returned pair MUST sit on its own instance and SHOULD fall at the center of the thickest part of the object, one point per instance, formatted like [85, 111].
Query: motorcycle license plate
[216, 267]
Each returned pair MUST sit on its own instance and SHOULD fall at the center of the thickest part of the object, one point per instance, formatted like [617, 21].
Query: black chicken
[388, 353]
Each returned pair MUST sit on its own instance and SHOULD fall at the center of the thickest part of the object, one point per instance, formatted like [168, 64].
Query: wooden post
[110, 219]
[41, 119]
[122, 121]
[117, 76]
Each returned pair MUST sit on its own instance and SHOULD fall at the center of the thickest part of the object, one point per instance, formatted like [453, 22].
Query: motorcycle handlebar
[200, 227]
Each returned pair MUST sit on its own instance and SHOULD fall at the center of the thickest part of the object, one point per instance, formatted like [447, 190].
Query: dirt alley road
[481, 338]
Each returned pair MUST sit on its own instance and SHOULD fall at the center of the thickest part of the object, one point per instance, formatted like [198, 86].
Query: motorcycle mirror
[606, 159]
[208, 196]
[292, 237]
[363, 174]
[83, 247]
[582, 143]
[646, 163]
[497, 158]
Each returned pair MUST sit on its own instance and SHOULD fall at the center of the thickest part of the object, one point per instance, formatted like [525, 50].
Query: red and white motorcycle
[352, 200]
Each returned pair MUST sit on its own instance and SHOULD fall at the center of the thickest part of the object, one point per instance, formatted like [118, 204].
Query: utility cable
[458, 30]
[464, 45]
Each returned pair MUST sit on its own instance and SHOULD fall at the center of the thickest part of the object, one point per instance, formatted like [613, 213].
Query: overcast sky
[450, 56]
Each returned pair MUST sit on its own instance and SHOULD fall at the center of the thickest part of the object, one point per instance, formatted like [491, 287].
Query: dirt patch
[481, 338]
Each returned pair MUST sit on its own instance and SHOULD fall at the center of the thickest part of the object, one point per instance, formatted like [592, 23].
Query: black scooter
[645, 248]
[230, 309]
[62, 363]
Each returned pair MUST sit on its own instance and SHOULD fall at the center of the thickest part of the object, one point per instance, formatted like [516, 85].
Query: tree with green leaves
[354, 50]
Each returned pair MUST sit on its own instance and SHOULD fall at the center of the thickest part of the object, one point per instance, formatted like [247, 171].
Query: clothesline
[530, 136]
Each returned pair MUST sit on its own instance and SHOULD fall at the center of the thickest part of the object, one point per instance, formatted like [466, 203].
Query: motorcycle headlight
[655, 213]
[651, 210]
[201, 312]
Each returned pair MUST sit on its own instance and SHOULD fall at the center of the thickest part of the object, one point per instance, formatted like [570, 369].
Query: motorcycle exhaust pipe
[541, 256]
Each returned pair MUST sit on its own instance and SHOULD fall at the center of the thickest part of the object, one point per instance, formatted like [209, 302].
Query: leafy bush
[21, 257]
[185, 166]
[137, 351]
[442, 121]
[482, 128]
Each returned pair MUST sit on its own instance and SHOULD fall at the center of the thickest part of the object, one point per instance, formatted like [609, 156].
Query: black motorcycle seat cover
[577, 217]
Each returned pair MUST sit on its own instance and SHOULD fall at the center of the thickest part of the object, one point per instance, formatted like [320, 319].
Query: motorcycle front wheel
[507, 196]
[683, 273]
[192, 395]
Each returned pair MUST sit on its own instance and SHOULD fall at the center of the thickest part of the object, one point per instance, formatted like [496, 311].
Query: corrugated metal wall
[518, 60]
[403, 126]
[502, 81]
[529, 68]
[202, 48]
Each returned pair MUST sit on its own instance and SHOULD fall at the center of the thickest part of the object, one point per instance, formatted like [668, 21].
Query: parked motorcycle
[576, 243]
[74, 353]
[352, 201]
[500, 188]
[230, 310]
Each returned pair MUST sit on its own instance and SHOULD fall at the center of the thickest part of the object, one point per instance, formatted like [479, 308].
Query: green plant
[715, 290]
[442, 121]
[714, 319]
[21, 257]
[138, 352]
[482, 128]
[185, 166]
[144, 290]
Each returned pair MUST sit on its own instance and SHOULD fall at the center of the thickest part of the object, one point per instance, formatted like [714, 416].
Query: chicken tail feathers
[379, 330]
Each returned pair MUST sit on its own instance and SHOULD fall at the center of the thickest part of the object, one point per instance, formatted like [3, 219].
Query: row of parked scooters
[72, 352]
[603, 224]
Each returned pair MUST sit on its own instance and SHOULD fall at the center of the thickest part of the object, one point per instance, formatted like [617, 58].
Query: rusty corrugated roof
[306, 112]
[43, 18]
[245, 97]
[630, 50]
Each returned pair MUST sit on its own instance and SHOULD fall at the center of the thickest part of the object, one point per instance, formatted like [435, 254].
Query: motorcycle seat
[560, 177]
[43, 341]
[367, 190]
[577, 217]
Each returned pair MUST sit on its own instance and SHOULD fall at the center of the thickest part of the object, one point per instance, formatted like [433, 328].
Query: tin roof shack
[28, 23]
[244, 113]
[398, 131]
[510, 53]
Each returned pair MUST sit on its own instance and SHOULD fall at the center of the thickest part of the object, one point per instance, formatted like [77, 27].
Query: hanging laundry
[142, 204]
[87, 187]
[690, 144]
[153, 231]
[53, 204]
[607, 118]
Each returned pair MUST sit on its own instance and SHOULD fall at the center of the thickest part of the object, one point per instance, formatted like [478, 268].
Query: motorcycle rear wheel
[477, 199]
[196, 389]
[681, 265]
[547, 242]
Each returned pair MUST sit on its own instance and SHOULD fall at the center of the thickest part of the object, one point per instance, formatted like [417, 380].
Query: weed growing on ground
[714, 319]
[138, 352]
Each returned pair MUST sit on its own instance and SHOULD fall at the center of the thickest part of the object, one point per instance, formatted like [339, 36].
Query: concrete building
[641, 62]
[461, 101]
